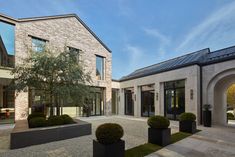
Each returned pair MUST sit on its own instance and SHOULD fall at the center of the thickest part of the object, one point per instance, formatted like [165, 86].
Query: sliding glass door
[147, 101]
[174, 99]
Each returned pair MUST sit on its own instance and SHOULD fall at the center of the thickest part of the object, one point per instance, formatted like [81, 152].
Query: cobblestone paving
[135, 133]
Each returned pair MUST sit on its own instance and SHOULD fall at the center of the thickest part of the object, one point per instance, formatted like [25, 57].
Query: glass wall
[147, 100]
[174, 99]
[97, 102]
[129, 101]
[99, 68]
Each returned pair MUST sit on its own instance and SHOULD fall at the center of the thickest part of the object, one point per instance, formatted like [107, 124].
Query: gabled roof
[201, 58]
[56, 17]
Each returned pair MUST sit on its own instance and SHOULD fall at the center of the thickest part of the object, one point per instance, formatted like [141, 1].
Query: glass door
[174, 99]
[97, 102]
[129, 101]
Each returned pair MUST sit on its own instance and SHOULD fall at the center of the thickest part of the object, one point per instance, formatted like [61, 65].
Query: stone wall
[61, 32]
[190, 74]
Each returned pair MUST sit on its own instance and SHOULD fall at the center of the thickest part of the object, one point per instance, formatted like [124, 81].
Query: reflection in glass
[129, 101]
[97, 99]
[38, 45]
[147, 100]
[99, 68]
[174, 99]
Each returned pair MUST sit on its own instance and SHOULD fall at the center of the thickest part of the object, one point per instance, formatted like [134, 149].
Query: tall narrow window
[38, 45]
[75, 51]
[99, 68]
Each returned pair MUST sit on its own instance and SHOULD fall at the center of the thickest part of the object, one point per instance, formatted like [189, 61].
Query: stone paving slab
[135, 133]
[210, 142]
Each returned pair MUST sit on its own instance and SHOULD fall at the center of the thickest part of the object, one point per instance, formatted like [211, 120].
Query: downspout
[200, 94]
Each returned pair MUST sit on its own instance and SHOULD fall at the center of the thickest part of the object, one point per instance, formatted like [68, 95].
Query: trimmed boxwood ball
[158, 122]
[55, 120]
[187, 116]
[67, 119]
[37, 122]
[230, 116]
[36, 114]
[109, 133]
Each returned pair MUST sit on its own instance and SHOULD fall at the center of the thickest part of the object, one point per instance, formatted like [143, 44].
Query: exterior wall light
[191, 94]
[157, 96]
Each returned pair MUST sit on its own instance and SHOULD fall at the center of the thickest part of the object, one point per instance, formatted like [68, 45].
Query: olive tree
[59, 74]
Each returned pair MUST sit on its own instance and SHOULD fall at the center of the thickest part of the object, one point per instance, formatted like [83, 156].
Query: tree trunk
[51, 105]
[57, 106]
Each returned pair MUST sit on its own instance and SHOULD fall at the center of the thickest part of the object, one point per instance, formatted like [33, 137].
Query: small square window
[38, 45]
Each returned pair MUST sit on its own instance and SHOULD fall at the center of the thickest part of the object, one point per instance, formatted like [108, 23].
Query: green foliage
[206, 107]
[58, 74]
[230, 116]
[231, 96]
[158, 122]
[67, 119]
[37, 122]
[187, 116]
[55, 120]
[36, 114]
[109, 133]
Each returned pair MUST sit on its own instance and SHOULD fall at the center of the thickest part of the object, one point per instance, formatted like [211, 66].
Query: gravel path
[135, 133]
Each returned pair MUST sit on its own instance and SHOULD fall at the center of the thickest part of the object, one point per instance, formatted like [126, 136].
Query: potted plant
[109, 141]
[187, 122]
[8, 113]
[158, 131]
[207, 115]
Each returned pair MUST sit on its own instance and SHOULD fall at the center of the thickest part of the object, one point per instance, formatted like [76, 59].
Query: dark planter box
[110, 150]
[188, 126]
[160, 137]
[22, 136]
[207, 118]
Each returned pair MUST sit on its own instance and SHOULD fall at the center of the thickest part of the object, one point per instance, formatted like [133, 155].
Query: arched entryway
[217, 95]
[231, 105]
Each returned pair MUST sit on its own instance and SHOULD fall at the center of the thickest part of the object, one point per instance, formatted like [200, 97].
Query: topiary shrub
[187, 116]
[158, 122]
[36, 114]
[109, 133]
[37, 122]
[55, 120]
[230, 116]
[67, 119]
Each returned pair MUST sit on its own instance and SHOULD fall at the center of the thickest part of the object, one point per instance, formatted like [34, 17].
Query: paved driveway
[209, 142]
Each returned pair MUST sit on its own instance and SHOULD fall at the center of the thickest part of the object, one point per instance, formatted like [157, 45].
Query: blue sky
[141, 33]
[8, 37]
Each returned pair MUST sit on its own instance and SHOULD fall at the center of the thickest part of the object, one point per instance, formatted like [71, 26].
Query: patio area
[209, 141]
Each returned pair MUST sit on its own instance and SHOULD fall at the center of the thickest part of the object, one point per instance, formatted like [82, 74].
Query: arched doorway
[217, 95]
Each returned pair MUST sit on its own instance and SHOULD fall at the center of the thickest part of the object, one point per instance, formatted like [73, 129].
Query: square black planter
[188, 126]
[110, 150]
[207, 118]
[160, 137]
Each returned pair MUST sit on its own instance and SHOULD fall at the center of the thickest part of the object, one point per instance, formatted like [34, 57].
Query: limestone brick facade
[61, 31]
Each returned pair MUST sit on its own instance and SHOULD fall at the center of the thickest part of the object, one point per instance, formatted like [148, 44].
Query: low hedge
[230, 116]
[187, 116]
[36, 114]
[67, 119]
[55, 120]
[158, 122]
[37, 122]
[109, 133]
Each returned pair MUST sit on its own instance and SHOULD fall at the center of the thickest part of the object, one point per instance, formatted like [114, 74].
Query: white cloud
[135, 55]
[163, 40]
[215, 31]
[155, 33]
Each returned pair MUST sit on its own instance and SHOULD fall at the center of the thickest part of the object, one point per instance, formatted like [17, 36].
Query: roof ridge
[222, 49]
[47, 16]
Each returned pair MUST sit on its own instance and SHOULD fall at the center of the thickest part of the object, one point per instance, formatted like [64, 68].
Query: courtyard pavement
[214, 142]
